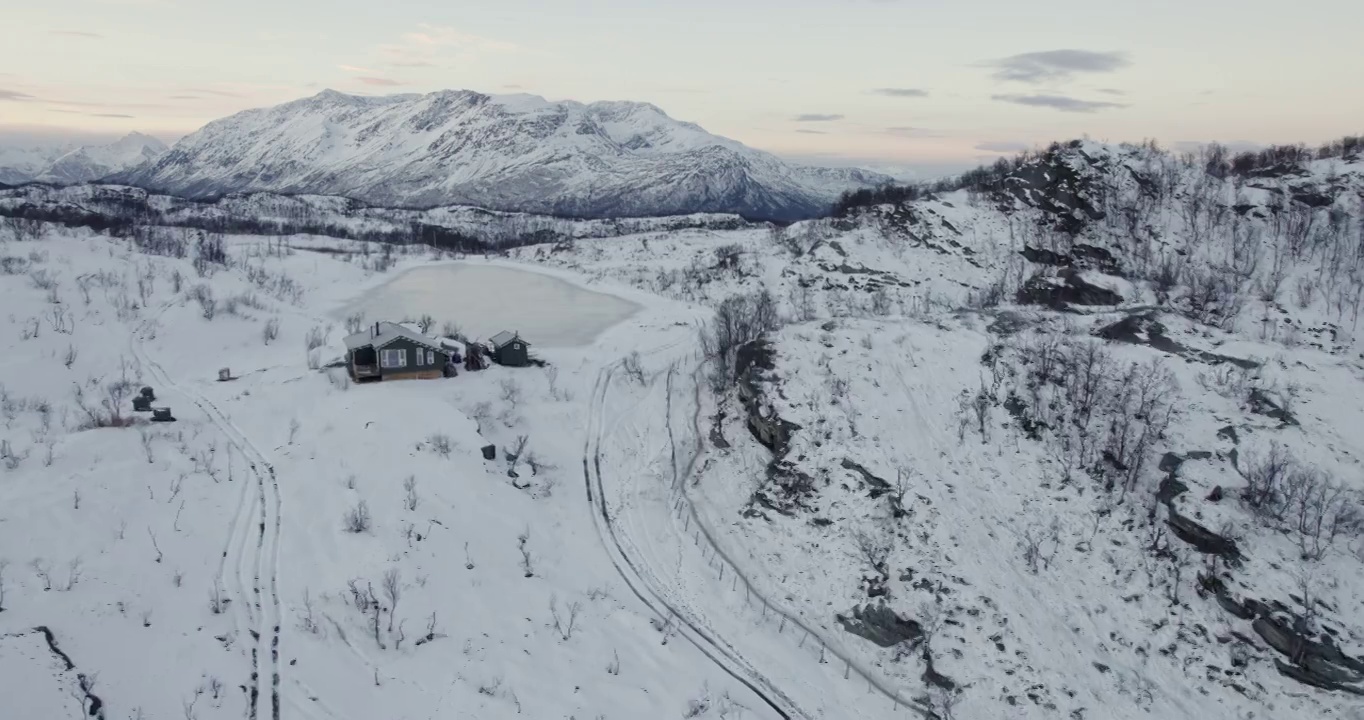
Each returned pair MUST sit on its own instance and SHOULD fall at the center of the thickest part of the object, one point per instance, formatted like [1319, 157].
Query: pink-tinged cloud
[382, 81]
[356, 69]
[75, 33]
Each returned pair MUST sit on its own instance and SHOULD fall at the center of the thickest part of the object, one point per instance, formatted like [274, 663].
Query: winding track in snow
[645, 584]
[263, 611]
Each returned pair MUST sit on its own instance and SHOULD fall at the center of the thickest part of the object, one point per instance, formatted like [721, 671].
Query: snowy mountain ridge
[504, 152]
[70, 164]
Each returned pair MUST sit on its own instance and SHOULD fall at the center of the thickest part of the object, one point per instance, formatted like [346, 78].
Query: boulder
[1203, 539]
[880, 625]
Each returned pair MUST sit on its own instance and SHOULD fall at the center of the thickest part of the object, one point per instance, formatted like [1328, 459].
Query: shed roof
[505, 337]
[387, 333]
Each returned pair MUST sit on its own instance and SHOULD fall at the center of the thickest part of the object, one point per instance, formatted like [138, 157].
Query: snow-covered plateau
[1075, 438]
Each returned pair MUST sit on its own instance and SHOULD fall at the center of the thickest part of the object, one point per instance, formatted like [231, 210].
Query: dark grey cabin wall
[412, 348]
[514, 353]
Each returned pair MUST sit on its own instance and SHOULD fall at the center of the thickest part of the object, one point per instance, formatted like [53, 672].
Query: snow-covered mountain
[92, 162]
[69, 164]
[505, 152]
[20, 163]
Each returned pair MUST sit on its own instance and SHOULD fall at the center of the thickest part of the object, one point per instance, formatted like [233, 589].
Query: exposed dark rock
[1144, 329]
[879, 486]
[880, 625]
[1229, 433]
[1216, 494]
[1170, 488]
[1203, 539]
[1240, 610]
[1262, 404]
[1066, 288]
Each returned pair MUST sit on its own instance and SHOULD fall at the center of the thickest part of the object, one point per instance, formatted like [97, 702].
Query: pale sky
[921, 83]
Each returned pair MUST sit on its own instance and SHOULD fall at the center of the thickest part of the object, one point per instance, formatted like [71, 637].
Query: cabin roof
[387, 333]
[505, 337]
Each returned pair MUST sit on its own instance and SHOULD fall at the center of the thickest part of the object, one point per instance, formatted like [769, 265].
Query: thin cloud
[911, 132]
[219, 93]
[110, 115]
[817, 117]
[1112, 91]
[811, 132]
[15, 96]
[381, 81]
[355, 69]
[75, 33]
[184, 97]
[1056, 65]
[1002, 146]
[900, 92]
[1058, 102]
[429, 45]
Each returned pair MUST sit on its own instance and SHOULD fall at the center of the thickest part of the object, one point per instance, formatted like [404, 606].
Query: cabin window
[393, 358]
[430, 357]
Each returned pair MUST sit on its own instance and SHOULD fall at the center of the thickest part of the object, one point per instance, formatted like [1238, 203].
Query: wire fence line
[829, 653]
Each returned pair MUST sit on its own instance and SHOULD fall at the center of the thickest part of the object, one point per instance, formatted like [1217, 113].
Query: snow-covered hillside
[69, 164]
[1084, 440]
[505, 152]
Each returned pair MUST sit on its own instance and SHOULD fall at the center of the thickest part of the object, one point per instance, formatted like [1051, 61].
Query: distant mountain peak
[517, 152]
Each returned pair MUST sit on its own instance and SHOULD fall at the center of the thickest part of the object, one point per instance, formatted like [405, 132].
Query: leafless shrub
[450, 330]
[208, 305]
[357, 519]
[632, 367]
[613, 667]
[440, 444]
[410, 497]
[355, 322]
[564, 626]
[527, 560]
[3, 564]
[270, 330]
[511, 392]
[316, 338]
[69, 357]
[1039, 545]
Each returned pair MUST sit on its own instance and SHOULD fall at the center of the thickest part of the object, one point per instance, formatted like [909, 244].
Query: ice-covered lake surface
[485, 299]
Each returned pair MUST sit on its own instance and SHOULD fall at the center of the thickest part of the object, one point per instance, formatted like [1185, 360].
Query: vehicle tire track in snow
[265, 505]
[638, 579]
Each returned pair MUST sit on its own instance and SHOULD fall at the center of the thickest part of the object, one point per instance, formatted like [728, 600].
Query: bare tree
[3, 564]
[217, 603]
[393, 591]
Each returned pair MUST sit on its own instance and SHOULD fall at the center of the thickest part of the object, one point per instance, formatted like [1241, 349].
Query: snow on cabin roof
[388, 332]
[505, 337]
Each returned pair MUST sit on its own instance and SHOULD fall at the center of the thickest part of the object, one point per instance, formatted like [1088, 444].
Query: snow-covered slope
[92, 162]
[505, 152]
[939, 489]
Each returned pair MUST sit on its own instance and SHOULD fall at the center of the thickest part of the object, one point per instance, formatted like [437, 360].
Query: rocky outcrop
[1203, 539]
[1314, 663]
[880, 625]
[1066, 288]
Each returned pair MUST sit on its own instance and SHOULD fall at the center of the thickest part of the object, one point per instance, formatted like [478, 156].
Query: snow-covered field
[196, 567]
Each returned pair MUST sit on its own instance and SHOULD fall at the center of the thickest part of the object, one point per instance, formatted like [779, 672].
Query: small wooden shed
[509, 349]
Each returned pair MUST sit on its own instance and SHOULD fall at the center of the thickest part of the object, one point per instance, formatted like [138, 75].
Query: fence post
[722, 571]
[782, 626]
[734, 583]
[847, 668]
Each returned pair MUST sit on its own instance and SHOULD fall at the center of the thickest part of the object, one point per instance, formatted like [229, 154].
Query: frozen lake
[485, 299]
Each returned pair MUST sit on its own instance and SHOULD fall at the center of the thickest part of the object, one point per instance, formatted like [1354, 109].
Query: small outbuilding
[509, 349]
[390, 351]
